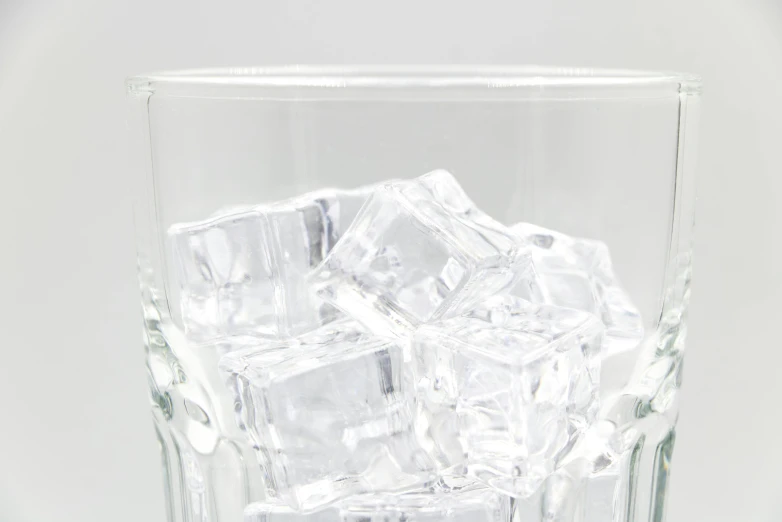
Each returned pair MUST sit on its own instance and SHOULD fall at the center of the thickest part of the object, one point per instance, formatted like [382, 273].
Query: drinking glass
[602, 154]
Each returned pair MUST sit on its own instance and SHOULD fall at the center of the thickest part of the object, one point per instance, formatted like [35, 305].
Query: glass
[596, 154]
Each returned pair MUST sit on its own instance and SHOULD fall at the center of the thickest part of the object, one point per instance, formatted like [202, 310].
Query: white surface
[76, 442]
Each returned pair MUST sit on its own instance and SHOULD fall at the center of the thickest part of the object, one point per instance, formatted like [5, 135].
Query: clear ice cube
[330, 414]
[558, 499]
[578, 273]
[587, 485]
[453, 500]
[568, 495]
[418, 250]
[506, 389]
[225, 275]
[465, 501]
[602, 495]
[275, 512]
[244, 272]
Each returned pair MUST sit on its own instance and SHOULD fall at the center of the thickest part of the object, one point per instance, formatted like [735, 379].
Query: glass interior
[592, 153]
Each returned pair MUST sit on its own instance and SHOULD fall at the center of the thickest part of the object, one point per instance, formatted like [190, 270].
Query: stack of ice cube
[399, 335]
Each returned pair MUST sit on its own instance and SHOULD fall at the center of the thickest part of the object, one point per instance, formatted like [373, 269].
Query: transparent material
[237, 167]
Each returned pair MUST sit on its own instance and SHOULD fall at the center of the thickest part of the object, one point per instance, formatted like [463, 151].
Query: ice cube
[275, 512]
[598, 462]
[330, 414]
[602, 494]
[558, 499]
[569, 496]
[244, 272]
[578, 273]
[463, 502]
[506, 389]
[450, 499]
[418, 250]
[225, 275]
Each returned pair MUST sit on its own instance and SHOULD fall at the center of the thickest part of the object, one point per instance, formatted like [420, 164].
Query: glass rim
[307, 80]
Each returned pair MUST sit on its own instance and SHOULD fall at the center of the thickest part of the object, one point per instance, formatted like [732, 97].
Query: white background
[76, 440]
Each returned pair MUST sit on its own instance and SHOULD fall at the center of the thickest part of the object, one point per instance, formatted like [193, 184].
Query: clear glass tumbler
[599, 154]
